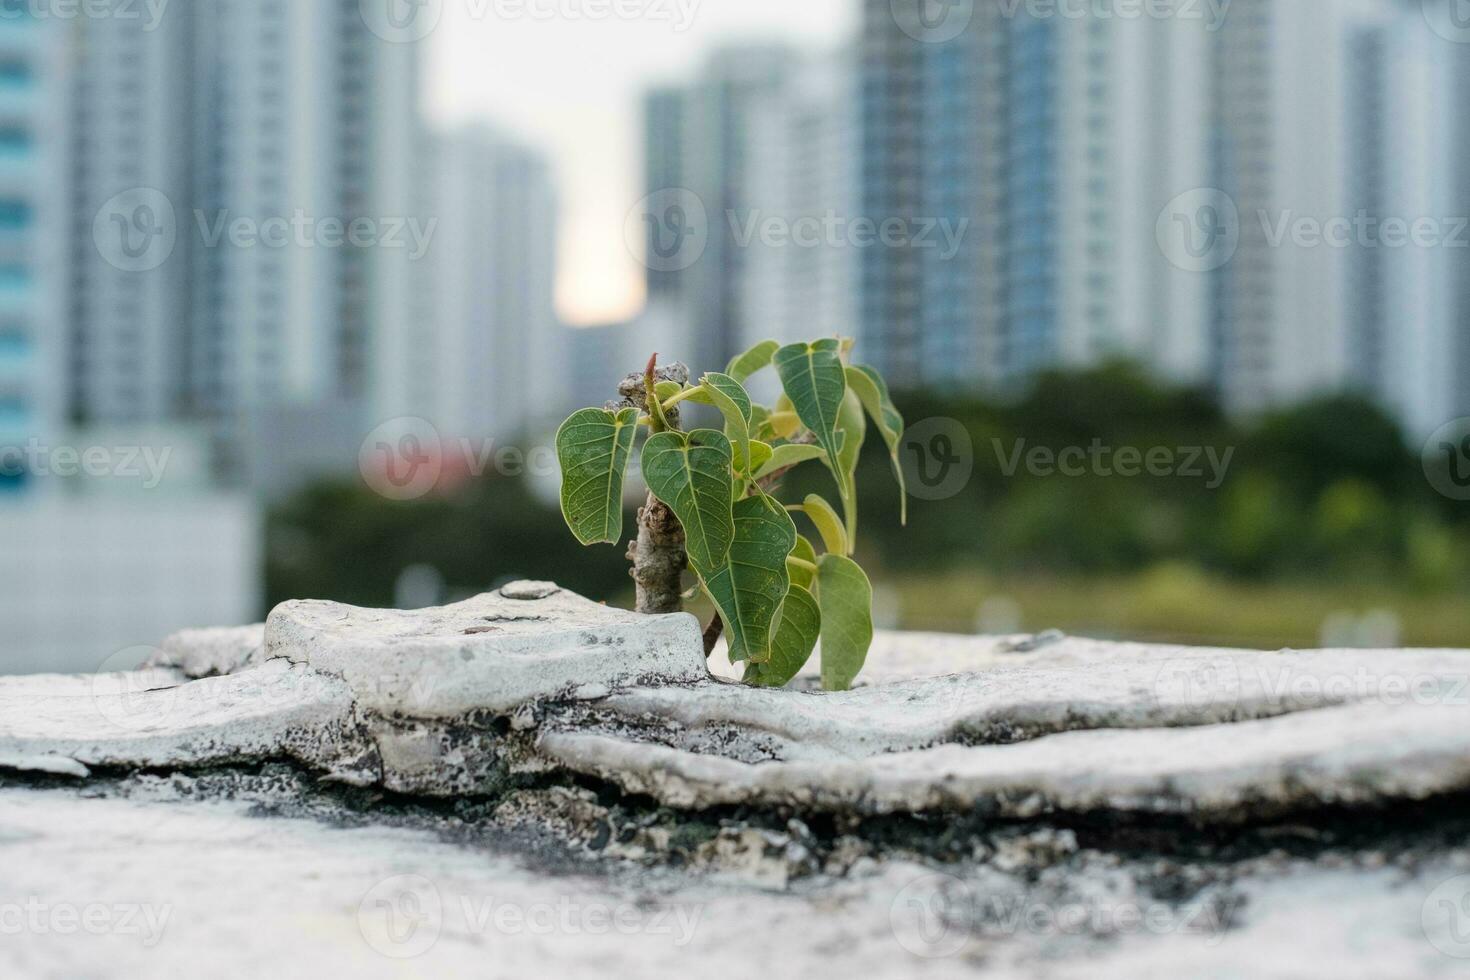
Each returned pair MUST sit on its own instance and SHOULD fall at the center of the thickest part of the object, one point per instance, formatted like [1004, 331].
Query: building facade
[32, 246]
[494, 351]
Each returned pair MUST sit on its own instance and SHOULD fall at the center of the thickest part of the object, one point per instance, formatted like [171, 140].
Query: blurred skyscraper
[1127, 181]
[489, 359]
[220, 157]
[697, 139]
[804, 144]
[31, 240]
[1341, 115]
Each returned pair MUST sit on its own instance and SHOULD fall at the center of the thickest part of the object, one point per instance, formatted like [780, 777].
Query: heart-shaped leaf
[691, 474]
[872, 390]
[750, 586]
[846, 599]
[593, 448]
[814, 379]
[795, 639]
[731, 398]
[753, 360]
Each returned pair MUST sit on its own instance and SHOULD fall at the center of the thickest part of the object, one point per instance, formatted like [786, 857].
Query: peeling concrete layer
[495, 652]
[533, 679]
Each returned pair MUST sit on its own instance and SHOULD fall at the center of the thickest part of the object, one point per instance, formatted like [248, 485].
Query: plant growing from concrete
[712, 505]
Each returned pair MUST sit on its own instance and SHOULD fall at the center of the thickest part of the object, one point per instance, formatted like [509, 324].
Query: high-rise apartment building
[1043, 147]
[491, 358]
[699, 158]
[132, 154]
[32, 247]
[242, 184]
[802, 237]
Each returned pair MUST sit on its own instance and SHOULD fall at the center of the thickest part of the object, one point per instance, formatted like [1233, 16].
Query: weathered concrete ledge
[536, 680]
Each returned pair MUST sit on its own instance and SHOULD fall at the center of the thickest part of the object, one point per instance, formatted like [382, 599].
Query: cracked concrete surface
[950, 813]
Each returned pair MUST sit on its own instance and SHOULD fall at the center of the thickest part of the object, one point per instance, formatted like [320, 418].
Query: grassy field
[1178, 605]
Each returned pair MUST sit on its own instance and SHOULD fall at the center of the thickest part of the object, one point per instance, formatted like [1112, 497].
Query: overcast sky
[571, 85]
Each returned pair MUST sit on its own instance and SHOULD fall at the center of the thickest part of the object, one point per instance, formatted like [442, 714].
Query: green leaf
[805, 551]
[760, 423]
[785, 457]
[593, 447]
[852, 432]
[829, 525]
[665, 390]
[814, 379]
[691, 474]
[753, 360]
[750, 586]
[727, 394]
[795, 639]
[761, 454]
[846, 599]
[872, 390]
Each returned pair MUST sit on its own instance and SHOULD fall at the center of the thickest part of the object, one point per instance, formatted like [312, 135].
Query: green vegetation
[774, 595]
[1323, 508]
